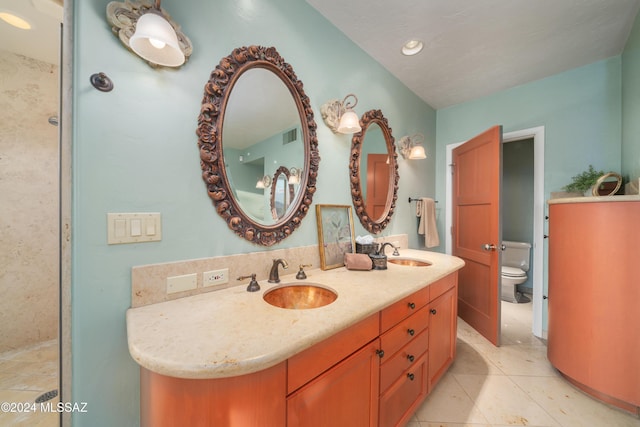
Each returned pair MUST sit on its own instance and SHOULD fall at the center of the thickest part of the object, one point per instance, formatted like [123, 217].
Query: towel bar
[413, 199]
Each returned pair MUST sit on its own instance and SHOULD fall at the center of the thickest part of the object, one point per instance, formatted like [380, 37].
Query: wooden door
[377, 185]
[476, 234]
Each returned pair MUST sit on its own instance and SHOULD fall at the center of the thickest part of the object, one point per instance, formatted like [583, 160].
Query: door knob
[489, 247]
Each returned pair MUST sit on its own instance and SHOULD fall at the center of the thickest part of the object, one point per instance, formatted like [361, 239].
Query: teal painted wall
[135, 150]
[631, 105]
[580, 110]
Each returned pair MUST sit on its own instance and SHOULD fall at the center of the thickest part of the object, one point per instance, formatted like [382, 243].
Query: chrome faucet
[395, 249]
[273, 274]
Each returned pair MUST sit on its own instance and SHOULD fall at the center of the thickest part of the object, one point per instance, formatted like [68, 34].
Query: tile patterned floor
[513, 384]
[26, 374]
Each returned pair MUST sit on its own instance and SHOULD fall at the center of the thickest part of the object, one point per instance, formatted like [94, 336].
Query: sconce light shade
[411, 147]
[148, 31]
[155, 40]
[264, 182]
[349, 123]
[340, 117]
[417, 152]
[294, 175]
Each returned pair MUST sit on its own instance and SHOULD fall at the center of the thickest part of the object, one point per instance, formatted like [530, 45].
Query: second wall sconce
[264, 182]
[149, 32]
[411, 147]
[339, 115]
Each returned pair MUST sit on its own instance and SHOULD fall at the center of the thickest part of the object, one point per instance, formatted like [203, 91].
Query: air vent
[290, 136]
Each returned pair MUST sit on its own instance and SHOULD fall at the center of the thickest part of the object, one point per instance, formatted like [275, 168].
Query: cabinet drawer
[404, 308]
[393, 367]
[399, 402]
[305, 366]
[398, 336]
[441, 286]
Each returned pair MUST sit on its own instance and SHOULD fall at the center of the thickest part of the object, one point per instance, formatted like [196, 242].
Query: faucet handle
[301, 274]
[253, 284]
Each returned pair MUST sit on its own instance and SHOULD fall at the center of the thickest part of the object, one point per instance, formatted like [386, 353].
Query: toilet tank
[516, 254]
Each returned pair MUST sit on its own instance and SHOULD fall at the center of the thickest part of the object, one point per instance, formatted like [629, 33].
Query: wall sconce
[149, 32]
[340, 117]
[264, 182]
[411, 147]
[294, 175]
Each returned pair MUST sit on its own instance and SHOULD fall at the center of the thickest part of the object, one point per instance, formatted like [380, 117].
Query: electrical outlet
[215, 277]
[182, 283]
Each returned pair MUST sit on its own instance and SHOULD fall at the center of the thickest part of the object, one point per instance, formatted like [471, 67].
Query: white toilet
[515, 264]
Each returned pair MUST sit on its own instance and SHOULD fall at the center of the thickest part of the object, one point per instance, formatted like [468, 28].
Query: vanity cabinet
[375, 373]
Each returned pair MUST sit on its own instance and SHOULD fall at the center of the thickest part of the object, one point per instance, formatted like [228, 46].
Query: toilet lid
[513, 272]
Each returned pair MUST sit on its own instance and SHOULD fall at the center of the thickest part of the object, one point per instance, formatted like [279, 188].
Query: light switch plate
[133, 227]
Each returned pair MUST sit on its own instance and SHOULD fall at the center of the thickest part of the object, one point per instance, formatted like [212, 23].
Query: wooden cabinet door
[345, 395]
[256, 399]
[401, 400]
[442, 335]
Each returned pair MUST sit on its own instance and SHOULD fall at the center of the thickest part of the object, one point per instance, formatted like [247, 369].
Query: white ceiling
[42, 41]
[477, 47]
[472, 47]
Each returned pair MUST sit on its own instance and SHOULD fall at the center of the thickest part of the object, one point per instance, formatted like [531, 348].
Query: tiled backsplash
[149, 282]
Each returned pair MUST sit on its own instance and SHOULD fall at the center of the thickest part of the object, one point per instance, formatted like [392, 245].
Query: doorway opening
[537, 135]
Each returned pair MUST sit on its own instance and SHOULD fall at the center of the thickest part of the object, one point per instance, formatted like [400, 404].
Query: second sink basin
[409, 261]
[299, 296]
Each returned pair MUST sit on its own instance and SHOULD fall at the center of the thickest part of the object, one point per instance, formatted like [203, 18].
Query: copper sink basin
[409, 261]
[300, 296]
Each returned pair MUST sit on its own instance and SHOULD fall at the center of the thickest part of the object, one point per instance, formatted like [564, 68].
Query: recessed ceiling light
[14, 20]
[412, 47]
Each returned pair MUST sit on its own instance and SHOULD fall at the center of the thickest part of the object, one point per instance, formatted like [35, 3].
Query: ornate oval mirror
[373, 170]
[255, 120]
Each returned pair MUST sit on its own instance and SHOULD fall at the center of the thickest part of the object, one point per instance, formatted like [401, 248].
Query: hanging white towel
[426, 211]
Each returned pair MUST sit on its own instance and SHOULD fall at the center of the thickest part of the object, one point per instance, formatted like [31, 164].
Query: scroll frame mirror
[287, 192]
[210, 130]
[373, 225]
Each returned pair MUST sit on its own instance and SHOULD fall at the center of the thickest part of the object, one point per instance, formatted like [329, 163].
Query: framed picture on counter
[335, 234]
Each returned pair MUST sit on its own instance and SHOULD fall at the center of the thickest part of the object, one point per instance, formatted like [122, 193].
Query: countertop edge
[595, 199]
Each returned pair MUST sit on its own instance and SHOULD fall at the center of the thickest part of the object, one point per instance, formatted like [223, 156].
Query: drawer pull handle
[411, 332]
[433, 311]
[380, 353]
[411, 377]
[410, 357]
[412, 305]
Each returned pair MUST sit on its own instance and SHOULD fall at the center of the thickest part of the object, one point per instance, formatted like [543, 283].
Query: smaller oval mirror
[282, 193]
[373, 172]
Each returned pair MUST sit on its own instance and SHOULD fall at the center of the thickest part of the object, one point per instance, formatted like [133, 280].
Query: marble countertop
[233, 332]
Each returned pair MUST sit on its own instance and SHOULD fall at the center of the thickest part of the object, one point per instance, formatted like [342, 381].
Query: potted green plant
[583, 182]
